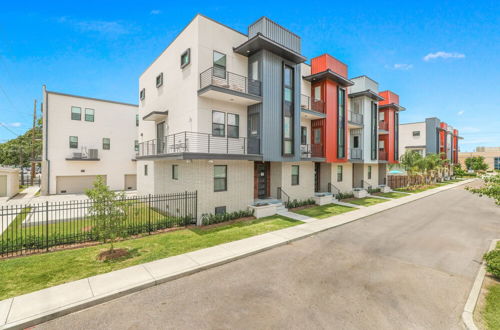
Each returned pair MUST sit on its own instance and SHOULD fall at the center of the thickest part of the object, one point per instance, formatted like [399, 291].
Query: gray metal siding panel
[431, 135]
[275, 32]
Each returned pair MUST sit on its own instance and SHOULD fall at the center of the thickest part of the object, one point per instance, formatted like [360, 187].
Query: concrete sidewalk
[33, 308]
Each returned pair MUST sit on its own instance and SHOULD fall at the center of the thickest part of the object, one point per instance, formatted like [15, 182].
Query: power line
[7, 128]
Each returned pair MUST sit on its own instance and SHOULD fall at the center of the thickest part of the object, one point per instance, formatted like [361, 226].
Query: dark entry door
[160, 134]
[317, 176]
[261, 176]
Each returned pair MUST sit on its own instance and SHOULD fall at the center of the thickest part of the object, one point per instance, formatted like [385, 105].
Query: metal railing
[311, 150]
[383, 125]
[193, 142]
[43, 227]
[366, 185]
[312, 104]
[356, 153]
[280, 193]
[333, 189]
[355, 118]
[221, 78]
[382, 155]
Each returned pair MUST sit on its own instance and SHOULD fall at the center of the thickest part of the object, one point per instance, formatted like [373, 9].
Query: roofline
[347, 66]
[416, 122]
[284, 28]
[175, 38]
[364, 75]
[91, 98]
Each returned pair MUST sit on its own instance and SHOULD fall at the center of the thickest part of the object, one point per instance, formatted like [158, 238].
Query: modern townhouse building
[430, 136]
[85, 137]
[389, 109]
[367, 169]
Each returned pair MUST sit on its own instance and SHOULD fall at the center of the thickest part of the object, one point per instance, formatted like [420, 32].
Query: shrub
[373, 190]
[345, 195]
[298, 203]
[492, 259]
[209, 218]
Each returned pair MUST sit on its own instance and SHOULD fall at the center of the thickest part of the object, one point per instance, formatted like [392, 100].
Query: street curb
[95, 300]
[470, 305]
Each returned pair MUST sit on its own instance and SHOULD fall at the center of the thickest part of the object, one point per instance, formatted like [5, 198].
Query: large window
[73, 142]
[288, 110]
[255, 70]
[374, 132]
[106, 143]
[233, 125]
[317, 93]
[175, 172]
[341, 124]
[295, 175]
[219, 65]
[218, 123]
[340, 173]
[89, 115]
[303, 135]
[317, 135]
[220, 178]
[76, 113]
[185, 58]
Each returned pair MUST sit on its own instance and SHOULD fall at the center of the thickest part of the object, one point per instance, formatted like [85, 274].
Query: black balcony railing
[355, 118]
[356, 153]
[221, 78]
[383, 125]
[312, 104]
[382, 155]
[311, 150]
[192, 142]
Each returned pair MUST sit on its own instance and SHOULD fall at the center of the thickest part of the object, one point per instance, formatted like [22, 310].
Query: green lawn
[365, 201]
[31, 273]
[491, 311]
[324, 211]
[390, 194]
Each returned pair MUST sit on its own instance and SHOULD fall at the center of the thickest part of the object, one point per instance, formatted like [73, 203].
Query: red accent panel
[325, 62]
[389, 97]
[389, 113]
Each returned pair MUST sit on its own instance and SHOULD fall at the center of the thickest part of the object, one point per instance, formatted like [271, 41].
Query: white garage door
[130, 182]
[75, 184]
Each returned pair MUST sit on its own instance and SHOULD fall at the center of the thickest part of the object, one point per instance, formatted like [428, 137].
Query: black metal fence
[219, 77]
[46, 226]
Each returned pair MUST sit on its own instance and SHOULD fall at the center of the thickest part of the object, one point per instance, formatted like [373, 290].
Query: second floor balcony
[220, 84]
[311, 151]
[193, 145]
[355, 120]
[312, 108]
[356, 154]
[383, 127]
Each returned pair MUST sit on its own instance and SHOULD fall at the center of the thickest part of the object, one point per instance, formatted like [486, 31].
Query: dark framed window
[175, 172]
[89, 114]
[145, 170]
[340, 173]
[288, 110]
[254, 124]
[136, 120]
[355, 141]
[303, 135]
[218, 123]
[219, 65]
[396, 136]
[142, 94]
[73, 142]
[369, 172]
[185, 58]
[220, 178]
[341, 123]
[374, 128]
[295, 175]
[136, 145]
[159, 80]
[233, 125]
[317, 136]
[76, 113]
[106, 143]
[416, 133]
[220, 210]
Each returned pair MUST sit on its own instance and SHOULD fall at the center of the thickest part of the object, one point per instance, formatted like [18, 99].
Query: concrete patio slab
[163, 268]
[120, 280]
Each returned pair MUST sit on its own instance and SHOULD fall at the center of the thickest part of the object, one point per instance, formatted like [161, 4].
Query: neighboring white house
[85, 137]
[9, 182]
[412, 136]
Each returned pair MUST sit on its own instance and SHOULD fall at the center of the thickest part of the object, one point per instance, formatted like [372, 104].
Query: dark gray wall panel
[276, 33]
[431, 135]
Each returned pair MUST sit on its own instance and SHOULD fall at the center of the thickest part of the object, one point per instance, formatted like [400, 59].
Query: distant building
[491, 156]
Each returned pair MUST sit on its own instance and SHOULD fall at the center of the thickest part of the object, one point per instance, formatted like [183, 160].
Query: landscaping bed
[365, 201]
[31, 273]
[324, 211]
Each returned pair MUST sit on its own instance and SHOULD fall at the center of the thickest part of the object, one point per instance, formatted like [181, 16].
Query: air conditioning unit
[77, 155]
[93, 154]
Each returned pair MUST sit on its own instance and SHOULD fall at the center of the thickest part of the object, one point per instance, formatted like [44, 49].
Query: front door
[317, 176]
[261, 187]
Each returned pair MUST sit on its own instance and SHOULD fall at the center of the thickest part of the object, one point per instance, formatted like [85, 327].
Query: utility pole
[33, 146]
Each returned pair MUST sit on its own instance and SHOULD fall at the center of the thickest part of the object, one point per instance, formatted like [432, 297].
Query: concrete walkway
[296, 216]
[348, 204]
[40, 306]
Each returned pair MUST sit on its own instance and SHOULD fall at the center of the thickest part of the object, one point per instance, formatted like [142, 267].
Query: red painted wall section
[455, 146]
[389, 139]
[325, 62]
[442, 137]
[389, 97]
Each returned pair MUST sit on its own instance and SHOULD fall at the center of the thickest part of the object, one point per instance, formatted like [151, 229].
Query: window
[106, 143]
[356, 107]
[219, 65]
[295, 175]
[396, 136]
[218, 123]
[254, 124]
[369, 172]
[303, 135]
[496, 163]
[374, 131]
[381, 116]
[255, 70]
[341, 123]
[145, 170]
[355, 141]
[89, 115]
[73, 142]
[142, 94]
[317, 93]
[185, 58]
[233, 125]
[136, 145]
[288, 110]
[159, 80]
[416, 133]
[136, 120]
[220, 210]
[76, 113]
[220, 178]
[317, 136]
[175, 172]
[381, 144]
[340, 172]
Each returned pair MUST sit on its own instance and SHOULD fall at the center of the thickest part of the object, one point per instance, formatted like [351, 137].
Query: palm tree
[410, 161]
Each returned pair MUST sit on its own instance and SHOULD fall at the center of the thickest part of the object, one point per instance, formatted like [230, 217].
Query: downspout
[46, 114]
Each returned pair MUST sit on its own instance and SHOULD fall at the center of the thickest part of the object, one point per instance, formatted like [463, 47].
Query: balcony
[311, 108]
[219, 84]
[311, 151]
[355, 120]
[382, 155]
[383, 127]
[84, 155]
[192, 145]
[356, 154]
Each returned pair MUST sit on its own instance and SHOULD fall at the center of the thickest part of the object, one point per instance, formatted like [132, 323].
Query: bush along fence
[41, 227]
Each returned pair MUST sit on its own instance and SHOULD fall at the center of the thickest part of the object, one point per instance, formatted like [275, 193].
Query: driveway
[410, 267]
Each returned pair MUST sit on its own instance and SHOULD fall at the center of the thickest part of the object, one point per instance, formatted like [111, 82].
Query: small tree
[108, 211]
[476, 163]
[491, 188]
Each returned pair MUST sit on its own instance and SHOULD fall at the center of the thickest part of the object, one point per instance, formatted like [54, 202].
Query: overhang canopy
[329, 74]
[259, 42]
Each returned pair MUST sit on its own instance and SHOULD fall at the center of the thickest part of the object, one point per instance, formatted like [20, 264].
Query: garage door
[3, 185]
[75, 184]
[130, 182]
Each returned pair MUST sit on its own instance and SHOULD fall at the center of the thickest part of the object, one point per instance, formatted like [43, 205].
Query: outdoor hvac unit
[93, 153]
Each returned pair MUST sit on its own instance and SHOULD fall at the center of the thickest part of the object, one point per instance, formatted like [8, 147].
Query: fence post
[196, 206]
[47, 224]
[149, 214]
[185, 207]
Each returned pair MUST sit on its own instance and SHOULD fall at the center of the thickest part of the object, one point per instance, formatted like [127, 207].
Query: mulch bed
[225, 223]
[112, 254]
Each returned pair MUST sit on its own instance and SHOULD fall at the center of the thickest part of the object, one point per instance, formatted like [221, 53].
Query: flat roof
[91, 98]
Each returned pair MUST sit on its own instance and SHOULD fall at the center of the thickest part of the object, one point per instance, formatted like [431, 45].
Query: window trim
[93, 115]
[225, 178]
[220, 208]
[340, 173]
[73, 145]
[159, 80]
[295, 175]
[79, 113]
[290, 139]
[175, 171]
[106, 146]
[237, 116]
[187, 53]
[223, 124]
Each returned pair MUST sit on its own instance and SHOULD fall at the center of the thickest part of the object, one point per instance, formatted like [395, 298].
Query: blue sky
[441, 57]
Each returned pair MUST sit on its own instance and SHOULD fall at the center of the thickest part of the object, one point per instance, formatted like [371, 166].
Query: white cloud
[14, 124]
[461, 112]
[155, 12]
[402, 66]
[441, 54]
